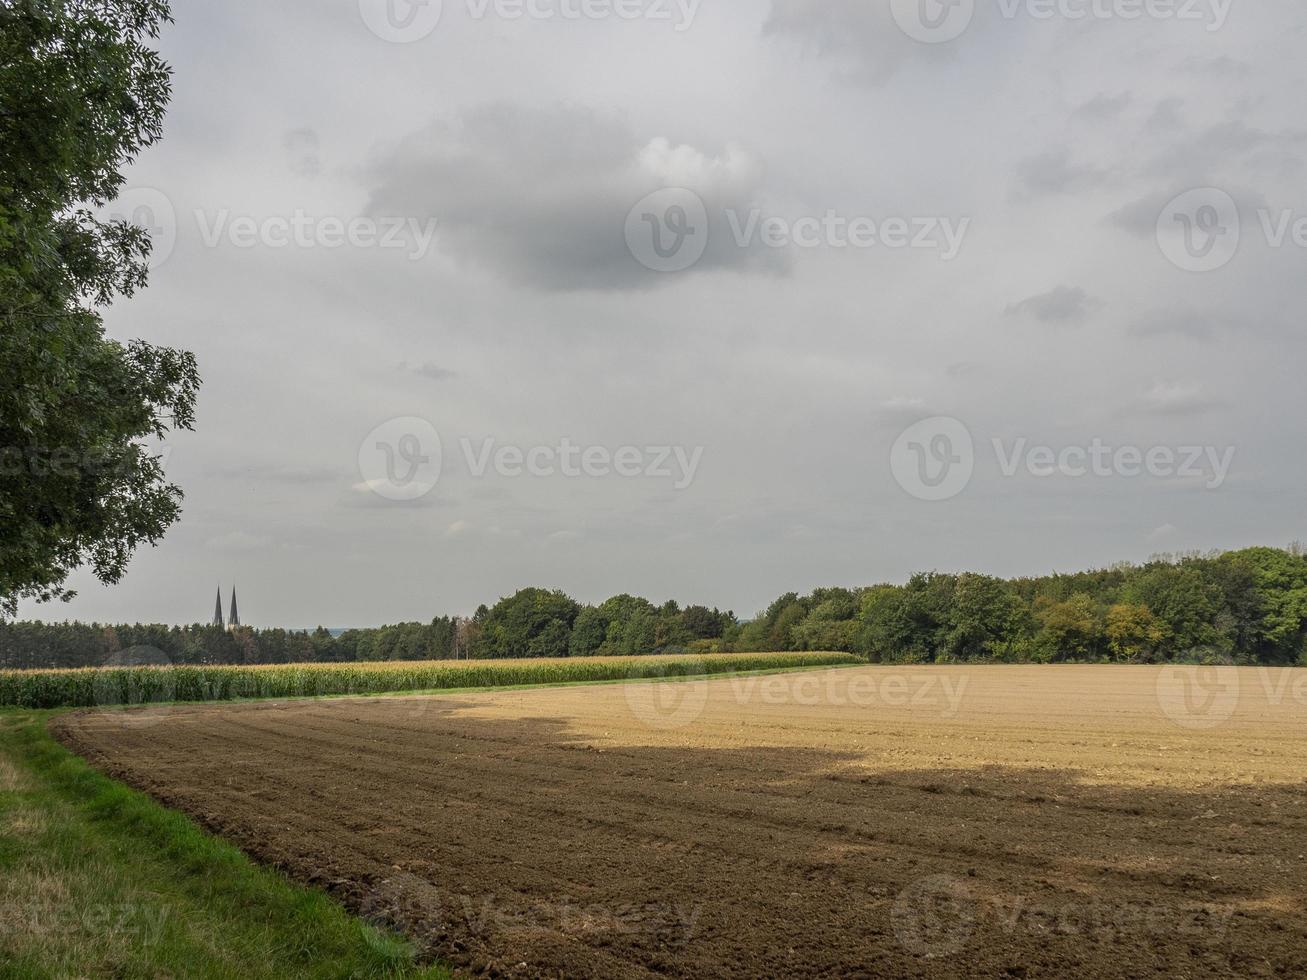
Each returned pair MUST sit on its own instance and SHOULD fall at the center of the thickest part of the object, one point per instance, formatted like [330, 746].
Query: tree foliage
[81, 94]
[1247, 607]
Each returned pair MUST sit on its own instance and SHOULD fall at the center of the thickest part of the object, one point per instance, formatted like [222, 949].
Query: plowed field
[878, 822]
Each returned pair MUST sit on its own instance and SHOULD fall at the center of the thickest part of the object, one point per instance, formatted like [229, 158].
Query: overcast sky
[1051, 285]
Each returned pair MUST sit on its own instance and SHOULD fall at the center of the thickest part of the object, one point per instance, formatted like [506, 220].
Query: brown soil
[932, 822]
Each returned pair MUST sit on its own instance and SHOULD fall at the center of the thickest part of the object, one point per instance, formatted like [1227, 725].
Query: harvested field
[877, 822]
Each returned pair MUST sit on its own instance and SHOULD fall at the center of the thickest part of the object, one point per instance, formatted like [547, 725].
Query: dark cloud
[861, 40]
[1215, 66]
[1183, 322]
[302, 152]
[1166, 115]
[1055, 172]
[1103, 107]
[542, 196]
[429, 370]
[1062, 305]
[1221, 148]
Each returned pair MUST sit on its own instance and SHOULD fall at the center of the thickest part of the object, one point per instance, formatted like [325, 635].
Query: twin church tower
[234, 619]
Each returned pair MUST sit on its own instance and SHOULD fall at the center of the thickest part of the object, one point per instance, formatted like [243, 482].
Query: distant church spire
[217, 610]
[235, 618]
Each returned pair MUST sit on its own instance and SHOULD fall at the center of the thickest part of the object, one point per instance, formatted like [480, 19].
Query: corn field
[106, 686]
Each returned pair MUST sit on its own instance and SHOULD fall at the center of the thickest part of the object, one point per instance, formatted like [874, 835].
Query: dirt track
[1002, 821]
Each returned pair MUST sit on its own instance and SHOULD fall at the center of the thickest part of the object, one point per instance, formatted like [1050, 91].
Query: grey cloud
[541, 196]
[1218, 66]
[860, 39]
[895, 414]
[286, 473]
[238, 541]
[360, 497]
[1055, 172]
[1218, 148]
[428, 369]
[1062, 305]
[1174, 399]
[1103, 107]
[1139, 217]
[1166, 115]
[302, 152]
[1184, 322]
[961, 369]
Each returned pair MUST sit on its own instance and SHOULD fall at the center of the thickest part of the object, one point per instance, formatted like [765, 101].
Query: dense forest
[1236, 607]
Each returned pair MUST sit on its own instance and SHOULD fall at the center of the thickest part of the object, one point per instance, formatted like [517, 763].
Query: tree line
[1245, 606]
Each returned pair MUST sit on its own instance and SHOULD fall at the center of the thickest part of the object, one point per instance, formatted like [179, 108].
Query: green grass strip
[97, 880]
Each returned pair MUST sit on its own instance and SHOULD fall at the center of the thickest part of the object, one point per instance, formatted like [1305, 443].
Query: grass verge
[97, 880]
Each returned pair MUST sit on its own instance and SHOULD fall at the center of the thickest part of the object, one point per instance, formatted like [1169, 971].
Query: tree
[632, 625]
[907, 623]
[702, 623]
[1278, 580]
[527, 624]
[831, 621]
[81, 93]
[1072, 629]
[984, 616]
[1184, 600]
[1133, 632]
[588, 632]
